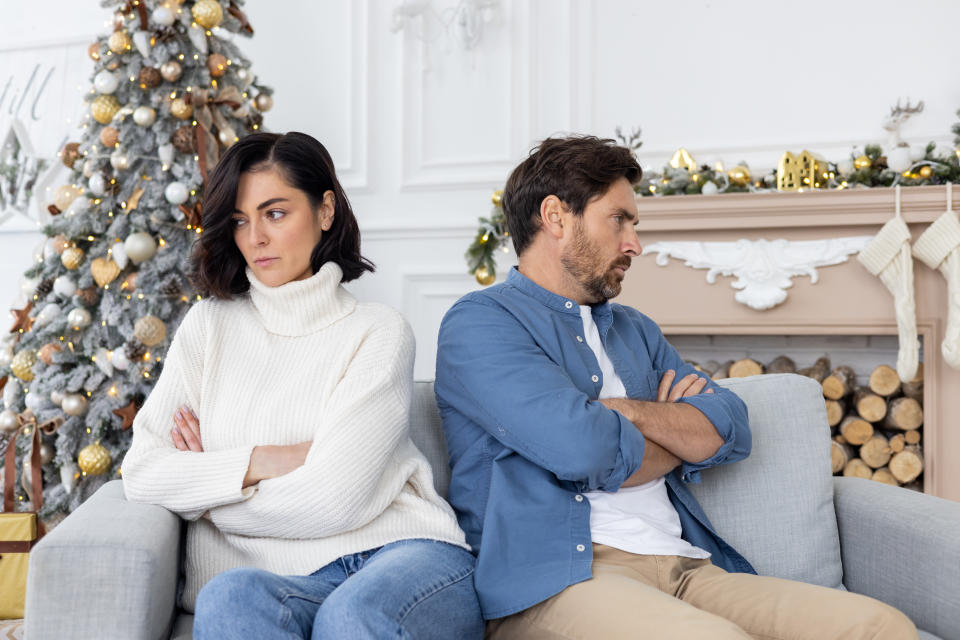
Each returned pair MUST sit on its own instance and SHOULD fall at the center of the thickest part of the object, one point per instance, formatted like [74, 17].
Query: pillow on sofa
[776, 507]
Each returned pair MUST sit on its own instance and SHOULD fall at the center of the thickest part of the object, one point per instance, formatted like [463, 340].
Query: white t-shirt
[637, 519]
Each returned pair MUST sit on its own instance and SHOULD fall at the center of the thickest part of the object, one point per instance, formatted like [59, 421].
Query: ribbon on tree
[141, 11]
[193, 214]
[206, 111]
[51, 426]
[235, 11]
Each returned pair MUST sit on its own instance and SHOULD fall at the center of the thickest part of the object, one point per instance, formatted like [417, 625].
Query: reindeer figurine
[898, 151]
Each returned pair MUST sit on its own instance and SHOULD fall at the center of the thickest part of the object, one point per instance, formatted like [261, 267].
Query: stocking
[939, 248]
[888, 257]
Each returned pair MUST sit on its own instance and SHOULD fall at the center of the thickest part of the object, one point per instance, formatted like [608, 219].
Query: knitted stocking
[888, 257]
[939, 248]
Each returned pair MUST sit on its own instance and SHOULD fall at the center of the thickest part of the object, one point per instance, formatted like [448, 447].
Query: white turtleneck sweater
[282, 365]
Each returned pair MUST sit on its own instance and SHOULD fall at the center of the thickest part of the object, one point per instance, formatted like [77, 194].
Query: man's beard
[580, 261]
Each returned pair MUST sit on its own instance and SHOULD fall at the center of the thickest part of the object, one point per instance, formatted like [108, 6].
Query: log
[855, 430]
[904, 413]
[916, 485]
[839, 383]
[745, 367]
[870, 406]
[875, 451]
[884, 381]
[839, 438]
[835, 412]
[897, 443]
[840, 455]
[913, 390]
[912, 436]
[710, 367]
[883, 475]
[907, 465]
[857, 468]
[723, 371]
[782, 364]
[818, 371]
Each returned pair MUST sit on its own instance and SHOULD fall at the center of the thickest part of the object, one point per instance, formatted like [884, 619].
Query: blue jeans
[406, 589]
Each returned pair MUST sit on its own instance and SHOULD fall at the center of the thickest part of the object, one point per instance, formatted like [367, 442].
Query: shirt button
[568, 304]
[595, 378]
[578, 498]
[579, 339]
[580, 547]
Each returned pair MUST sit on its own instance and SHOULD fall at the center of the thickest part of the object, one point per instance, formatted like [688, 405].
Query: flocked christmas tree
[170, 92]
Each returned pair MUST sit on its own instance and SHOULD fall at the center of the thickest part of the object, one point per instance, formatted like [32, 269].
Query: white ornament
[68, 476]
[74, 404]
[119, 160]
[176, 193]
[28, 285]
[79, 205]
[119, 254]
[56, 397]
[163, 16]
[119, 359]
[89, 166]
[103, 361]
[65, 286]
[898, 159]
[917, 153]
[11, 393]
[8, 421]
[763, 268]
[245, 76]
[78, 318]
[140, 246]
[144, 116]
[141, 40]
[49, 249]
[35, 401]
[97, 184]
[198, 37]
[6, 356]
[48, 313]
[165, 152]
[709, 188]
[227, 136]
[105, 82]
[845, 166]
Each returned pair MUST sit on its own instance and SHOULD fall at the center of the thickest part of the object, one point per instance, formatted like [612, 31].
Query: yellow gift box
[18, 533]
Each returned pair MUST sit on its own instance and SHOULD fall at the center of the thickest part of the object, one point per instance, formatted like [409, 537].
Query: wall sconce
[463, 23]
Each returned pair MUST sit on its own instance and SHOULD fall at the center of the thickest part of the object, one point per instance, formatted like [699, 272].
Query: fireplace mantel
[847, 300]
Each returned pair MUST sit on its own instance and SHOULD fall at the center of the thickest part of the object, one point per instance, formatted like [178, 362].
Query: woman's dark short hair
[575, 169]
[217, 266]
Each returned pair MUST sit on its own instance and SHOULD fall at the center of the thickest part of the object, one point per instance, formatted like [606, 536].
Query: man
[573, 428]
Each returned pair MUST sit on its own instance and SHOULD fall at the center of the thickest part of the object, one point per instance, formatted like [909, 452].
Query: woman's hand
[270, 461]
[688, 386]
[186, 433]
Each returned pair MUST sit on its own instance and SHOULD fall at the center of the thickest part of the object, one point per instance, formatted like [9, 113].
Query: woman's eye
[239, 222]
[275, 214]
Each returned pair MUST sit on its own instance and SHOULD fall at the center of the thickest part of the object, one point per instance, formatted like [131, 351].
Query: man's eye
[275, 214]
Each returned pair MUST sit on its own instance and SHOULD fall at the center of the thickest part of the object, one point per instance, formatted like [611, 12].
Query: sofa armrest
[901, 547]
[109, 570]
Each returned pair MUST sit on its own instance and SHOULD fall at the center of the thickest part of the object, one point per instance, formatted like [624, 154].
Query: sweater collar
[302, 306]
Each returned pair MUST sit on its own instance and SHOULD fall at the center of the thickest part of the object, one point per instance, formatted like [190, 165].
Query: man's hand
[688, 386]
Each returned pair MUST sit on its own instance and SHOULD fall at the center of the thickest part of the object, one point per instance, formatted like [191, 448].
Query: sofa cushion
[426, 431]
[776, 507]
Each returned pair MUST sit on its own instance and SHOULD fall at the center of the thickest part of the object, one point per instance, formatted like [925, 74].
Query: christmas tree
[170, 91]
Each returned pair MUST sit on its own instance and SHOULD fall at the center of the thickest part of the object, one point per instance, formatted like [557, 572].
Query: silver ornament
[12, 393]
[163, 16]
[103, 361]
[119, 160]
[141, 40]
[89, 166]
[68, 476]
[140, 246]
[46, 453]
[119, 255]
[198, 38]
[165, 152]
[176, 193]
[74, 404]
[105, 82]
[48, 313]
[79, 318]
[35, 401]
[8, 421]
[65, 286]
[56, 397]
[144, 116]
[119, 359]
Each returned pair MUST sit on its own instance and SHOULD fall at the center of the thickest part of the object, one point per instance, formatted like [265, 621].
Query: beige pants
[639, 596]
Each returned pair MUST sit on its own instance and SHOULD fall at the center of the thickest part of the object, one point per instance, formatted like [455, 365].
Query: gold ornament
[109, 136]
[104, 107]
[150, 330]
[926, 171]
[119, 42]
[263, 102]
[94, 51]
[171, 71]
[180, 109]
[130, 282]
[497, 197]
[47, 351]
[683, 159]
[64, 195]
[739, 175]
[484, 276]
[217, 64]
[207, 13]
[94, 459]
[863, 162]
[71, 257]
[22, 364]
[104, 271]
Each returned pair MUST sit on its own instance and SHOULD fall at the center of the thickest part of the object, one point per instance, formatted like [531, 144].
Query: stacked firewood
[876, 428]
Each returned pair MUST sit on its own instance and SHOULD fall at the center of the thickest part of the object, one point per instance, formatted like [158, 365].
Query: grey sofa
[110, 570]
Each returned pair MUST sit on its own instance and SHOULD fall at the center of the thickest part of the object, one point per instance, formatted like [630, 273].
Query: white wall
[423, 132]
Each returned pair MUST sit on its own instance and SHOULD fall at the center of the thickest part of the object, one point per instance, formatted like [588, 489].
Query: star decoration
[128, 413]
[23, 322]
[3, 382]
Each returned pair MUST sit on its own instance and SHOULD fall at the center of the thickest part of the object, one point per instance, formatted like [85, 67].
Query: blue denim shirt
[517, 388]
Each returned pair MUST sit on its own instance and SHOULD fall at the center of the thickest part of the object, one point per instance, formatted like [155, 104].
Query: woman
[278, 427]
